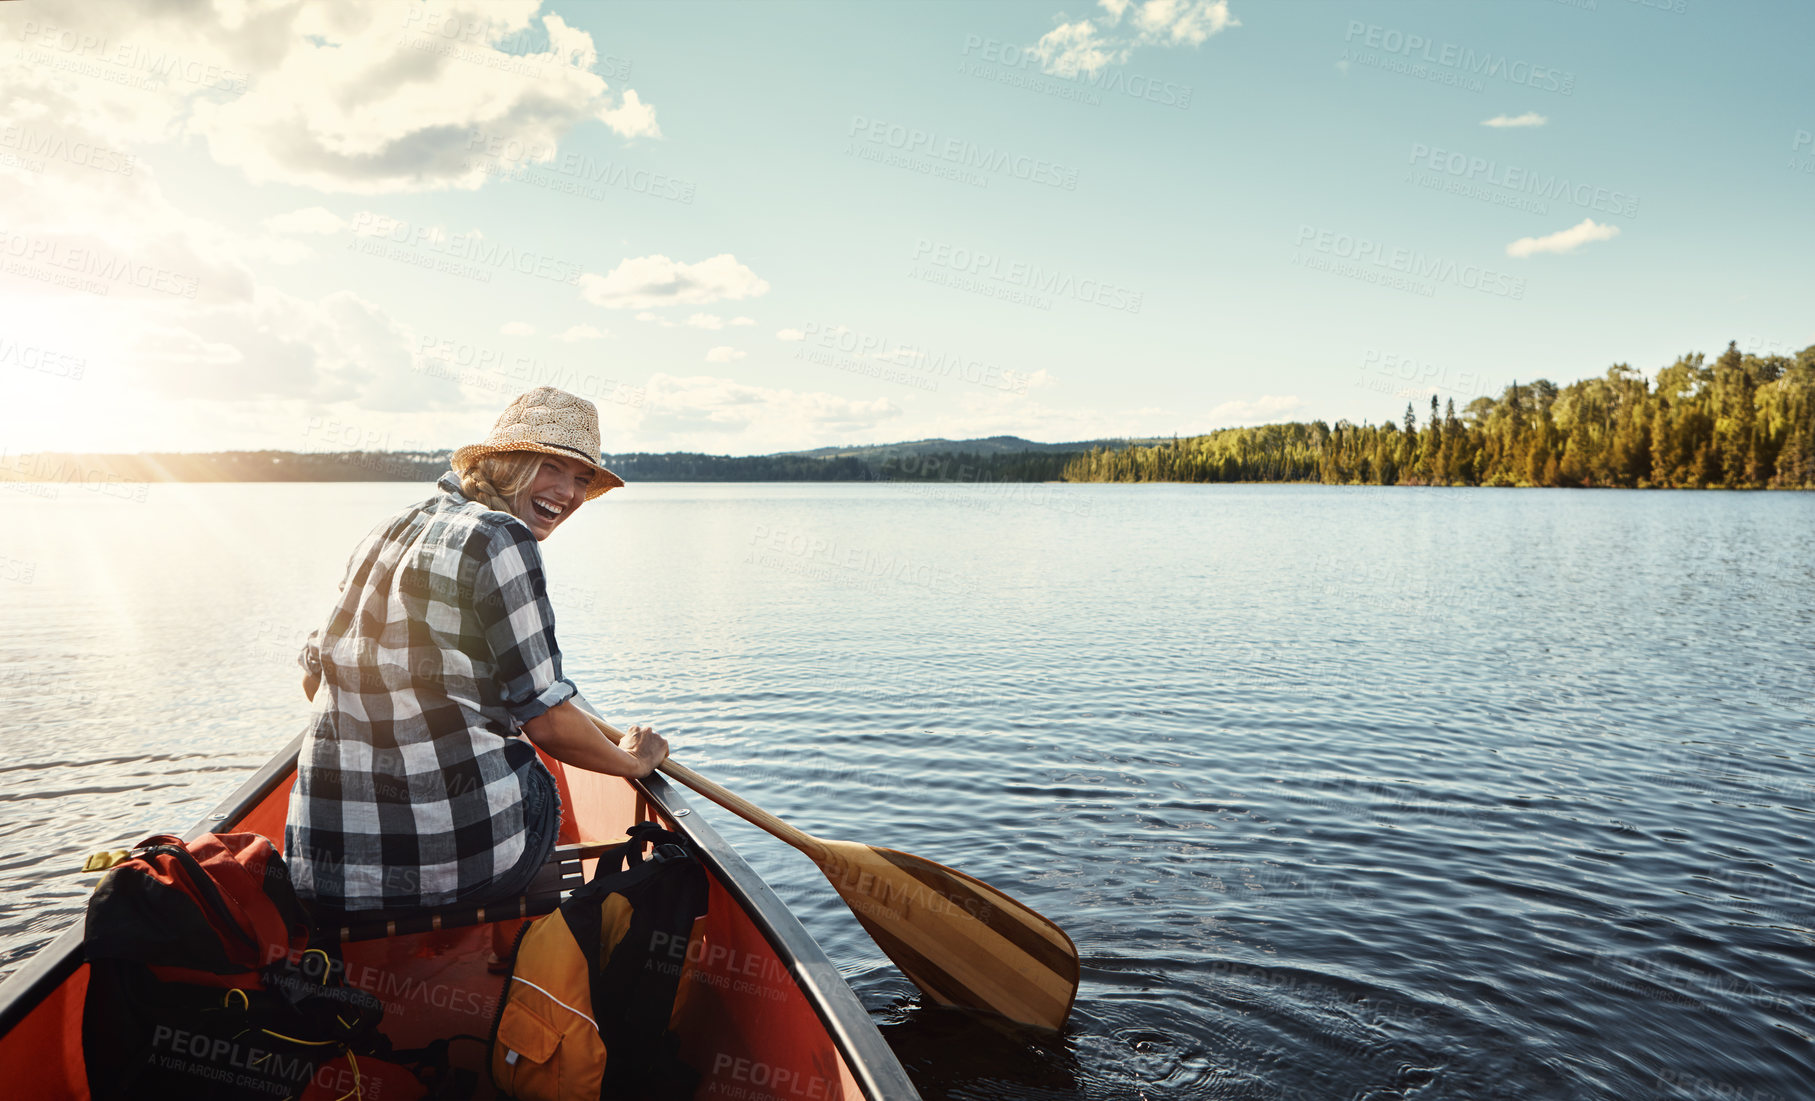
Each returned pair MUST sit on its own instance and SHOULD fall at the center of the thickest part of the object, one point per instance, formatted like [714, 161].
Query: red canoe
[764, 1014]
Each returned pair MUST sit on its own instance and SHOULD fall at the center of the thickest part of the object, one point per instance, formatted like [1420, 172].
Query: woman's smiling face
[558, 489]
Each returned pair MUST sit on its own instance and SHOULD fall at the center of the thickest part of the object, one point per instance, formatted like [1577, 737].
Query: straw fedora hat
[551, 421]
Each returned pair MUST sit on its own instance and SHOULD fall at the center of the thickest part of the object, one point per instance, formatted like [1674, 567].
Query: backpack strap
[664, 844]
[628, 853]
[634, 993]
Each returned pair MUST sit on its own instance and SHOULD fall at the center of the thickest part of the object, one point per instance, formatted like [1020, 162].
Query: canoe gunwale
[865, 1052]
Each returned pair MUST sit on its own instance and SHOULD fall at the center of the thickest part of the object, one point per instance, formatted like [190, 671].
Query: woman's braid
[496, 480]
[476, 483]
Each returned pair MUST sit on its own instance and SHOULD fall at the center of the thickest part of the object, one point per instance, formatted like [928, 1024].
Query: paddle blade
[960, 940]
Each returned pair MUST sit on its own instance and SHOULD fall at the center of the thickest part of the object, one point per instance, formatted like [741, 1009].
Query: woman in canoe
[412, 788]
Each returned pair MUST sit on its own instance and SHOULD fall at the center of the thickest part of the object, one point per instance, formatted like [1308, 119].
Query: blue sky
[743, 228]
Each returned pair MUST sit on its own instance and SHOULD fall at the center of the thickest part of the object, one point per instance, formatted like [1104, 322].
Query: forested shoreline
[1740, 422]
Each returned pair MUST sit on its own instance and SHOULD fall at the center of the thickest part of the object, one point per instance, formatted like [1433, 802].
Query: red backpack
[201, 979]
[214, 911]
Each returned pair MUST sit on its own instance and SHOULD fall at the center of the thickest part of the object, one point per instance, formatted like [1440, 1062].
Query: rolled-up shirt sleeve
[510, 596]
[310, 657]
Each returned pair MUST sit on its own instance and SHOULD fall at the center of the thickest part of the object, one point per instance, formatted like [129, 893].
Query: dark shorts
[541, 821]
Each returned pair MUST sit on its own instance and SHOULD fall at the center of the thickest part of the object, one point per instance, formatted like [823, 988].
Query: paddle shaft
[731, 801]
[961, 941]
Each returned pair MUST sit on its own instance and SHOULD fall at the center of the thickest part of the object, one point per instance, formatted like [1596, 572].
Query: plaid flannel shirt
[440, 646]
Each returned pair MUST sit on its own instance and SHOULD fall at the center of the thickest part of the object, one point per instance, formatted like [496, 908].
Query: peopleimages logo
[31, 357]
[1463, 168]
[1802, 151]
[545, 166]
[60, 472]
[1374, 257]
[1459, 59]
[846, 349]
[1023, 277]
[492, 369]
[87, 269]
[1425, 377]
[960, 154]
[1084, 85]
[128, 63]
[821, 559]
[467, 254]
[37, 146]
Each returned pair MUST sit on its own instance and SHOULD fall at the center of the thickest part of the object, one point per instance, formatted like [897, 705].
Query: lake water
[1443, 795]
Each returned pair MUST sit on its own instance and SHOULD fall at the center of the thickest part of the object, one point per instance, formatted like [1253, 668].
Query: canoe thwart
[560, 874]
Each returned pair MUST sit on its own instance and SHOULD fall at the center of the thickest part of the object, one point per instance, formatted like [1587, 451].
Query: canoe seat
[558, 876]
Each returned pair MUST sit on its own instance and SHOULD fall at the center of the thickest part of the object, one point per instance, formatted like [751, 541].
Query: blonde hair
[497, 479]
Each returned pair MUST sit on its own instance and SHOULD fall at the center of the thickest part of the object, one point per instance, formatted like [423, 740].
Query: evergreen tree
[1744, 421]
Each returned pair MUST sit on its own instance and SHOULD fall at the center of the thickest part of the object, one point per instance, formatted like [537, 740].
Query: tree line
[1741, 422]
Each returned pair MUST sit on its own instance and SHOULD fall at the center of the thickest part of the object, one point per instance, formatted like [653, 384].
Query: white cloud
[581, 332]
[790, 334]
[51, 77]
[1529, 118]
[340, 95]
[1070, 49]
[314, 220]
[706, 321]
[655, 281]
[517, 328]
[278, 250]
[341, 348]
[743, 321]
[189, 328]
[632, 119]
[74, 231]
[369, 98]
[1172, 22]
[654, 319]
[1564, 240]
[724, 353]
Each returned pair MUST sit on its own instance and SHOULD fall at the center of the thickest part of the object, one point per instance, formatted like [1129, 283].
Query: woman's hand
[648, 747]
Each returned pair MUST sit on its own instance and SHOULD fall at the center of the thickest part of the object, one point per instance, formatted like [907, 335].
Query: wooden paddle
[960, 940]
